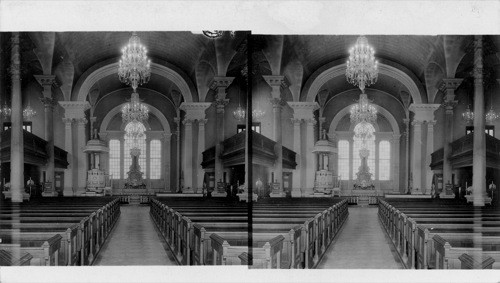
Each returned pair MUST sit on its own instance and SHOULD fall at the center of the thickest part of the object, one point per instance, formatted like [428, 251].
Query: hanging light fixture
[135, 67]
[6, 111]
[257, 113]
[135, 110]
[491, 116]
[29, 112]
[468, 115]
[363, 111]
[240, 113]
[362, 68]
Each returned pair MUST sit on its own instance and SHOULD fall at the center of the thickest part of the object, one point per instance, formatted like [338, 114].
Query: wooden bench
[8, 258]
[45, 251]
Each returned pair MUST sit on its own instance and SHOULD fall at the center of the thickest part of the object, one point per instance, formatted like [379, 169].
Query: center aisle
[361, 244]
[134, 241]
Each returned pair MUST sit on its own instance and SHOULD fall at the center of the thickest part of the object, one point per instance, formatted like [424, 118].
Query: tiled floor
[134, 241]
[361, 244]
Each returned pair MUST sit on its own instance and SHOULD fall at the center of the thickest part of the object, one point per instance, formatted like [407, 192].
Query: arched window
[384, 160]
[141, 144]
[343, 149]
[155, 159]
[114, 159]
[370, 145]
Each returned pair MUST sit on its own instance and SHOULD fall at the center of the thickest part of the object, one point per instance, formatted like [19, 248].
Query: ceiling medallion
[134, 67]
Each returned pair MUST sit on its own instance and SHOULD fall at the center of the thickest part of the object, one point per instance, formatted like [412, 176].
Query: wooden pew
[45, 251]
[7, 258]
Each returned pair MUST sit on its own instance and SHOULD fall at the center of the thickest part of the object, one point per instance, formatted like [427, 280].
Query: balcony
[35, 150]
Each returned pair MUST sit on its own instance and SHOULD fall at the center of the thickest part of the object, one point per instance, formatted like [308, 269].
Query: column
[123, 171]
[82, 157]
[47, 81]
[310, 161]
[201, 148]
[167, 137]
[68, 145]
[16, 141]
[395, 162]
[430, 150]
[376, 179]
[277, 135]
[449, 85]
[148, 164]
[407, 155]
[177, 121]
[417, 156]
[479, 150]
[296, 175]
[188, 154]
[220, 85]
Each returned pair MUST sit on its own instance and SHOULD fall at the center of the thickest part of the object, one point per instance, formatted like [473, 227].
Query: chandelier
[362, 68]
[6, 111]
[364, 132]
[363, 111]
[468, 115]
[213, 34]
[257, 114]
[491, 116]
[29, 112]
[240, 113]
[134, 68]
[135, 110]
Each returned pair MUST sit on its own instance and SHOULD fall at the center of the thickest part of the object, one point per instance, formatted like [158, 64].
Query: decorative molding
[277, 81]
[81, 121]
[220, 82]
[202, 122]
[46, 80]
[195, 110]
[303, 110]
[277, 102]
[424, 112]
[450, 84]
[188, 121]
[48, 102]
[296, 121]
[220, 104]
[74, 109]
[416, 123]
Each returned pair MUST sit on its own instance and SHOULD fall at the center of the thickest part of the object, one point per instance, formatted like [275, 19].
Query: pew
[44, 251]
[7, 258]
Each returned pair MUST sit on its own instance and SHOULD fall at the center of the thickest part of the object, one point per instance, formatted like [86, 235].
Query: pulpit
[96, 177]
[323, 183]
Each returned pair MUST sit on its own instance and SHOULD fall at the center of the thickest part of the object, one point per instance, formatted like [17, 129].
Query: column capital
[396, 137]
[303, 110]
[188, 122]
[277, 83]
[296, 121]
[46, 80]
[68, 121]
[277, 102]
[220, 82]
[450, 84]
[195, 110]
[202, 122]
[167, 136]
[417, 123]
[48, 102]
[74, 109]
[311, 121]
[81, 121]
[424, 112]
[431, 123]
[220, 104]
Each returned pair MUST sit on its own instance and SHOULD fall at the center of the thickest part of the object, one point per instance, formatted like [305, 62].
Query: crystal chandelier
[6, 111]
[363, 131]
[491, 116]
[240, 113]
[468, 115]
[135, 110]
[134, 68]
[29, 112]
[363, 111]
[257, 114]
[362, 68]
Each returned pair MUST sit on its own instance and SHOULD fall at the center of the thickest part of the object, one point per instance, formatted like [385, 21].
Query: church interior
[232, 148]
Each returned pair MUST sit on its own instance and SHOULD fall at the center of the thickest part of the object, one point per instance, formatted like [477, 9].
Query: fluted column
[68, 145]
[188, 153]
[417, 155]
[147, 176]
[82, 156]
[201, 148]
[296, 175]
[220, 85]
[479, 156]
[177, 121]
[449, 86]
[166, 159]
[277, 135]
[311, 157]
[407, 155]
[16, 141]
[395, 162]
[430, 150]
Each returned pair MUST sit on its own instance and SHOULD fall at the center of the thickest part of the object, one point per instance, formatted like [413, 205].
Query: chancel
[169, 148]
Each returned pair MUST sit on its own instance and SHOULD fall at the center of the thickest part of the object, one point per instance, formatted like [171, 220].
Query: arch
[107, 119]
[110, 67]
[381, 110]
[336, 68]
